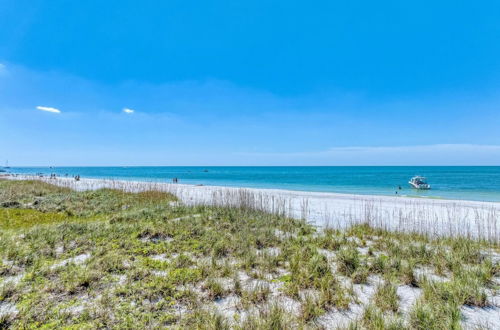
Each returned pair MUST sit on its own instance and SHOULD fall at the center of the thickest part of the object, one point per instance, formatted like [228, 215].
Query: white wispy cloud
[433, 154]
[415, 148]
[382, 149]
[127, 110]
[48, 109]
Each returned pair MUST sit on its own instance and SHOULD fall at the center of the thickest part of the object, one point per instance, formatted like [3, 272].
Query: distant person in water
[175, 180]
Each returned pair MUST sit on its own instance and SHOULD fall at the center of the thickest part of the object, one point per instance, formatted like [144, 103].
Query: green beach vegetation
[114, 259]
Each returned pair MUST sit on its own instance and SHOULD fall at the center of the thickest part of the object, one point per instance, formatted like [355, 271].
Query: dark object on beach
[199, 185]
[77, 178]
[12, 204]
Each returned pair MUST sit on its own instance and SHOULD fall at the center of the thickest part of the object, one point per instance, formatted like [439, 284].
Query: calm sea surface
[451, 182]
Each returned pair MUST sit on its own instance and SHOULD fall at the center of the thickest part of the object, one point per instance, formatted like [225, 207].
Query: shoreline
[467, 183]
[438, 217]
[297, 193]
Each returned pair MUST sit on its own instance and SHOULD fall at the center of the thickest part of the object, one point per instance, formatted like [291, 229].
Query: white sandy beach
[423, 215]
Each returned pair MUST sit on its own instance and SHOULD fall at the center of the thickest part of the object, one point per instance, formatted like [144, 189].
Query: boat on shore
[419, 182]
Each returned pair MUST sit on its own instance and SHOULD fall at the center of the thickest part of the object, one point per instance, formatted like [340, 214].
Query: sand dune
[422, 215]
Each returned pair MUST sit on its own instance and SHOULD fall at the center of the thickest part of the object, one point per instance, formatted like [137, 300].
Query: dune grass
[112, 259]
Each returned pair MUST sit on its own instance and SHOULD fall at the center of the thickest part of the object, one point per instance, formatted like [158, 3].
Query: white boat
[419, 182]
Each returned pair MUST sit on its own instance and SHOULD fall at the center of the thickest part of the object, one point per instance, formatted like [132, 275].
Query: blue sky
[249, 83]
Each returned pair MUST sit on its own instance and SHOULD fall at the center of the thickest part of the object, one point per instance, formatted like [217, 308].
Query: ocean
[481, 183]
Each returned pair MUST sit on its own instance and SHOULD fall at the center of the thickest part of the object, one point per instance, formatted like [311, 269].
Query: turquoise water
[451, 182]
